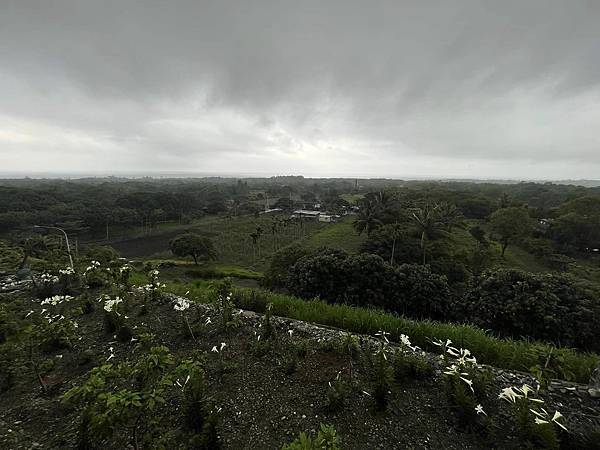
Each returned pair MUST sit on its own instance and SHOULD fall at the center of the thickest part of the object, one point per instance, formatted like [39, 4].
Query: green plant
[114, 317]
[300, 348]
[266, 325]
[551, 365]
[326, 439]
[464, 385]
[382, 375]
[125, 402]
[535, 426]
[337, 394]
[93, 275]
[224, 303]
[349, 345]
[410, 365]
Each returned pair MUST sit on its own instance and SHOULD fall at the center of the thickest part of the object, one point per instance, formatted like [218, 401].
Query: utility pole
[66, 240]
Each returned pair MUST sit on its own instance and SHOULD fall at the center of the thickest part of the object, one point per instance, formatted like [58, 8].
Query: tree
[393, 243]
[367, 280]
[31, 246]
[509, 225]
[281, 262]
[449, 215]
[194, 245]
[542, 306]
[428, 223]
[368, 217]
[576, 231]
[479, 233]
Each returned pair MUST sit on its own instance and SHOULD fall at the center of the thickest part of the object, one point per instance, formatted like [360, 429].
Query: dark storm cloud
[442, 88]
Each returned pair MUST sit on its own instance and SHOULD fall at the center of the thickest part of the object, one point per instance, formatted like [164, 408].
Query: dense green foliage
[367, 279]
[510, 225]
[281, 262]
[546, 307]
[191, 244]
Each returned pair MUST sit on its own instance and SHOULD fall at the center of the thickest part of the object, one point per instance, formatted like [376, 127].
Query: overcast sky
[473, 89]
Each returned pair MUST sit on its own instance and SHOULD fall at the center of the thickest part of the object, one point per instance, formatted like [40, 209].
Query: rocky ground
[267, 395]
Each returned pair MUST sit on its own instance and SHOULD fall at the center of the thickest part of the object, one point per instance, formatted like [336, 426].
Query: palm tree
[428, 224]
[449, 215]
[395, 233]
[368, 217]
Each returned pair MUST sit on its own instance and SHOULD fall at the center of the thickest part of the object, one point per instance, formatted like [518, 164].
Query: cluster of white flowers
[182, 386]
[93, 265]
[383, 335]
[48, 278]
[512, 394]
[181, 304]
[151, 287]
[404, 340]
[543, 417]
[228, 299]
[67, 271]
[220, 349]
[455, 370]
[112, 353]
[337, 378]
[464, 361]
[463, 356]
[125, 269]
[56, 300]
[110, 303]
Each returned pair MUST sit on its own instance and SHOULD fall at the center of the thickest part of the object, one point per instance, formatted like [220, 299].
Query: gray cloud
[468, 88]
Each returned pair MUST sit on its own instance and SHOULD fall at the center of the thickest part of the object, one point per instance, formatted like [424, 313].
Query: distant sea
[186, 174]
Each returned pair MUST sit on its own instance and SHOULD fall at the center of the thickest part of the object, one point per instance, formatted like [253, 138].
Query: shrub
[281, 262]
[547, 307]
[336, 394]
[326, 439]
[365, 279]
[410, 365]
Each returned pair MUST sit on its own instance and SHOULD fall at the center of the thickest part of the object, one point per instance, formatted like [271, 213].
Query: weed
[410, 365]
[337, 394]
[326, 439]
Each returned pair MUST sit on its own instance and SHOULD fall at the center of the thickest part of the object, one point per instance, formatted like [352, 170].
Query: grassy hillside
[339, 235]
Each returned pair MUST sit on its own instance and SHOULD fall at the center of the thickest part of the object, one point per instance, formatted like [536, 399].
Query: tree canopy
[191, 244]
[510, 224]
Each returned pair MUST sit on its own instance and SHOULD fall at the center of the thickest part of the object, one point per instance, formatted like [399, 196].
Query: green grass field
[339, 235]
[352, 198]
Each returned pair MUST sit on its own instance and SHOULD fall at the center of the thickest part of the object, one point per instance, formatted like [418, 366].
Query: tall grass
[498, 352]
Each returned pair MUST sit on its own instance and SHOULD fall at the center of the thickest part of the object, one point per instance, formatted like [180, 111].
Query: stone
[594, 384]
[23, 274]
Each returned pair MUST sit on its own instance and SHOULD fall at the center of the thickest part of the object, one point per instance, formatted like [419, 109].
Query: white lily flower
[469, 383]
[509, 394]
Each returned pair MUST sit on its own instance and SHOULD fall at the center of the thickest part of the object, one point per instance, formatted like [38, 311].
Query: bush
[282, 260]
[367, 279]
[546, 307]
[326, 439]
